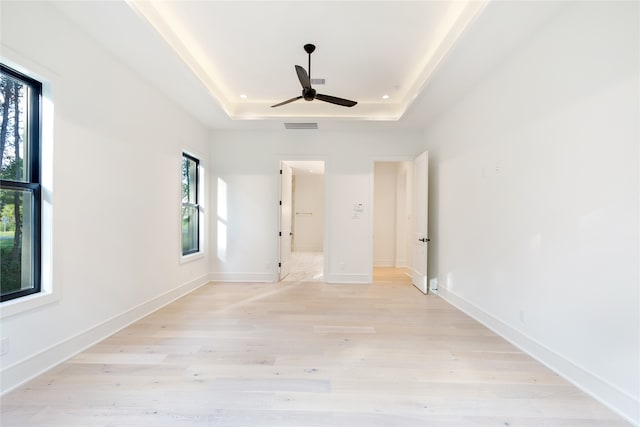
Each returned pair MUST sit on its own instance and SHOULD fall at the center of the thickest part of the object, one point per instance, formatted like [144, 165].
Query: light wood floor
[304, 354]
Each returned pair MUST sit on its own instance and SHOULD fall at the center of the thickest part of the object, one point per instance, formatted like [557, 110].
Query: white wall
[534, 208]
[252, 187]
[115, 191]
[384, 214]
[308, 212]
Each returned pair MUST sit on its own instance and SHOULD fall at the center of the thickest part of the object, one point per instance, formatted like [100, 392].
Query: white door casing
[285, 235]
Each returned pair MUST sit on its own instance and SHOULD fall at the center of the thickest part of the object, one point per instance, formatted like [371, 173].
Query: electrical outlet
[433, 284]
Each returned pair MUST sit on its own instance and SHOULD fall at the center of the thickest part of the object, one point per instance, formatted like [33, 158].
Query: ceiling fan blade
[303, 77]
[287, 101]
[335, 100]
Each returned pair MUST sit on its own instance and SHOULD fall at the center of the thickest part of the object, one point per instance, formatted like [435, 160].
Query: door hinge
[280, 233]
[279, 264]
[280, 202]
[280, 171]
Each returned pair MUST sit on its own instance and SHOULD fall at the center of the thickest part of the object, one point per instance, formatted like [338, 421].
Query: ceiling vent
[301, 125]
[317, 81]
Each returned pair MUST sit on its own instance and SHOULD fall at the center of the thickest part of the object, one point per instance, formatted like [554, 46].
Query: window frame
[196, 205]
[33, 183]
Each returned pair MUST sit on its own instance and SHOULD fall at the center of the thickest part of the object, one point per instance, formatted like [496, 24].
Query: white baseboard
[243, 277]
[20, 372]
[384, 263]
[273, 277]
[608, 394]
[307, 248]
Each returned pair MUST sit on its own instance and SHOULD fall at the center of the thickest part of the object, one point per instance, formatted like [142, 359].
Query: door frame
[284, 233]
[374, 160]
[325, 221]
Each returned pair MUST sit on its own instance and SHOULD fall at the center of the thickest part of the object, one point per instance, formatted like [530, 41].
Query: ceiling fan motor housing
[309, 94]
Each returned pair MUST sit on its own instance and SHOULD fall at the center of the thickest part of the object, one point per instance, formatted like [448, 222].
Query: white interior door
[420, 223]
[285, 234]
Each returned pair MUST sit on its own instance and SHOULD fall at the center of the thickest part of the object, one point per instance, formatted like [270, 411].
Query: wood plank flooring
[304, 354]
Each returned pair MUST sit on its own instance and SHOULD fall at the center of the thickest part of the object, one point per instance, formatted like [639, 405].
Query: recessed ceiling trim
[301, 126]
[180, 38]
[314, 110]
[460, 16]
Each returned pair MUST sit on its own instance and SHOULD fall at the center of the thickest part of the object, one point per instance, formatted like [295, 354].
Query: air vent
[301, 125]
[317, 81]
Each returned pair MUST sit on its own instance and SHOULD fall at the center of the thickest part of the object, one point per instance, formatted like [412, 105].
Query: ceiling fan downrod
[309, 48]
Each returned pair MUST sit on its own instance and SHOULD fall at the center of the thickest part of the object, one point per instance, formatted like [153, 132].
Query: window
[20, 99]
[190, 205]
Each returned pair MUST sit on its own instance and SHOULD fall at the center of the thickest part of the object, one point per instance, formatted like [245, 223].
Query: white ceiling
[205, 54]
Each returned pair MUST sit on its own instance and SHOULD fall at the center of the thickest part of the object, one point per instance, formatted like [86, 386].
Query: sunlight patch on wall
[222, 219]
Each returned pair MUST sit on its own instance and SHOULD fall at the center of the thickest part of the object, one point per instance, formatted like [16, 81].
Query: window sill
[30, 302]
[184, 259]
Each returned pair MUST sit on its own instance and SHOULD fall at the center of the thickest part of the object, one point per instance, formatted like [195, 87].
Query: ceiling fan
[309, 93]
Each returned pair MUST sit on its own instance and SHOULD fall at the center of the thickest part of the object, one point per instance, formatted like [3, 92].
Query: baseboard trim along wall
[307, 248]
[384, 263]
[401, 263]
[273, 277]
[20, 372]
[611, 396]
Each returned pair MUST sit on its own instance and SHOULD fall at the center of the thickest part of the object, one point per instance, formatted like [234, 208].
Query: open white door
[286, 177]
[420, 223]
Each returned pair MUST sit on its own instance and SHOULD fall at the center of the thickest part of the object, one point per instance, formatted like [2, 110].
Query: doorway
[392, 227]
[400, 217]
[302, 221]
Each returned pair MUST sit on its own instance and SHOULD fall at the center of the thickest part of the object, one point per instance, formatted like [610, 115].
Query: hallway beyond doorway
[305, 267]
[389, 275]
